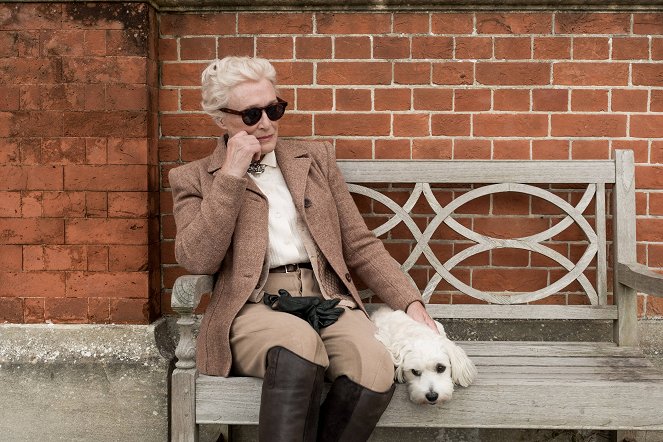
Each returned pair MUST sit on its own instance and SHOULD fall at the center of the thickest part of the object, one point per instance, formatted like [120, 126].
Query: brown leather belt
[291, 267]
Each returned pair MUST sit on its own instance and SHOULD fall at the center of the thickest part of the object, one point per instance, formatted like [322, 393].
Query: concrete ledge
[84, 382]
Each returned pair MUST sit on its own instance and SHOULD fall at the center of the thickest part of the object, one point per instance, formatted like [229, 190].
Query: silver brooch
[256, 168]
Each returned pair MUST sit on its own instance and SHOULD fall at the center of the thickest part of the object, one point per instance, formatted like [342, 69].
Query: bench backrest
[437, 182]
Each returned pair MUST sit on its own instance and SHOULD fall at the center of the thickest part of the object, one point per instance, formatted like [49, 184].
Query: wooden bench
[521, 384]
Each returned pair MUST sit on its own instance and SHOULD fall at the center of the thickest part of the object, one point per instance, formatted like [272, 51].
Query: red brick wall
[78, 163]
[522, 85]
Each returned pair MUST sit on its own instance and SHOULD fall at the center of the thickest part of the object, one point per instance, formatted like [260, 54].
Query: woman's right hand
[242, 149]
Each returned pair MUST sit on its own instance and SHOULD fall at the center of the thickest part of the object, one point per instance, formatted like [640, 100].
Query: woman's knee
[304, 342]
[372, 369]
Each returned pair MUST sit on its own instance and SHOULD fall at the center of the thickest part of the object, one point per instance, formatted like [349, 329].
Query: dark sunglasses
[251, 116]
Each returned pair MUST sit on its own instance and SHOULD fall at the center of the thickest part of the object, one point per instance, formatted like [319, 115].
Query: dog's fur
[429, 363]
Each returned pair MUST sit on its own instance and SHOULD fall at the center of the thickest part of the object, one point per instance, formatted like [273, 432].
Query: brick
[31, 204]
[657, 152]
[451, 23]
[513, 73]
[315, 99]
[165, 202]
[182, 74]
[104, 70]
[98, 310]
[474, 47]
[237, 46]
[456, 73]
[63, 257]
[410, 23]
[66, 310]
[9, 98]
[472, 149]
[294, 72]
[275, 23]
[106, 231]
[591, 48]
[432, 47]
[34, 124]
[586, 100]
[655, 255]
[198, 48]
[391, 47]
[352, 47]
[95, 42]
[552, 48]
[654, 307]
[189, 99]
[313, 47]
[433, 99]
[11, 257]
[368, 73]
[392, 149]
[656, 205]
[352, 124]
[640, 148]
[11, 310]
[646, 74]
[128, 258]
[62, 42]
[275, 47]
[63, 150]
[296, 125]
[31, 70]
[169, 100]
[550, 150]
[127, 97]
[53, 97]
[550, 100]
[105, 178]
[411, 125]
[511, 150]
[590, 150]
[63, 204]
[128, 205]
[511, 100]
[630, 48]
[10, 152]
[196, 148]
[129, 311]
[107, 285]
[196, 24]
[353, 23]
[646, 126]
[657, 49]
[629, 100]
[450, 124]
[466, 100]
[514, 23]
[33, 310]
[649, 229]
[391, 99]
[10, 204]
[505, 125]
[353, 99]
[127, 151]
[97, 258]
[96, 204]
[168, 49]
[513, 48]
[588, 125]
[591, 74]
[592, 23]
[95, 97]
[31, 231]
[114, 124]
[648, 23]
[649, 177]
[354, 149]
[432, 148]
[31, 16]
[412, 73]
[32, 284]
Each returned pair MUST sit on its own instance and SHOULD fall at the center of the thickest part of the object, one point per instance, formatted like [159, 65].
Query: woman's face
[247, 95]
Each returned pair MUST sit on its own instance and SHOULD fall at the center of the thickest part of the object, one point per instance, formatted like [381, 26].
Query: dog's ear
[440, 328]
[463, 370]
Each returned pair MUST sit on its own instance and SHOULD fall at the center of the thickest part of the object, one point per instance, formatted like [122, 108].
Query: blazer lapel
[217, 159]
[295, 162]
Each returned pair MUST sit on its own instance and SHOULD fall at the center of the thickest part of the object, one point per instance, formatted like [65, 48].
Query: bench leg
[183, 406]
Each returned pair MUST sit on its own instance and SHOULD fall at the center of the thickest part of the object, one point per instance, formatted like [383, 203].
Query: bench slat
[558, 349]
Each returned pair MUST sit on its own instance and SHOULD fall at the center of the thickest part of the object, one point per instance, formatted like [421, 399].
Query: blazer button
[307, 203]
[348, 277]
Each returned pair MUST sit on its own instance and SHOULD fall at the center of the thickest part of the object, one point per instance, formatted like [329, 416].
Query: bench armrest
[187, 291]
[640, 278]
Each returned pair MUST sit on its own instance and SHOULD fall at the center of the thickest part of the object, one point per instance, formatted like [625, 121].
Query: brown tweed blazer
[222, 229]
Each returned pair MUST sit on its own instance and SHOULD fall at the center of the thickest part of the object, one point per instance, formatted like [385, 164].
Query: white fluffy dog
[429, 363]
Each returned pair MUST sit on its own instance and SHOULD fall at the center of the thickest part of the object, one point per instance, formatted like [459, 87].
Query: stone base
[84, 382]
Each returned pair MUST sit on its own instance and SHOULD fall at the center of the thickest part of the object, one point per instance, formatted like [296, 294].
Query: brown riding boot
[290, 401]
[350, 412]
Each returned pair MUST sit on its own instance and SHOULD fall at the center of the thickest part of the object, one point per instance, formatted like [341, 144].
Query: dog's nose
[431, 396]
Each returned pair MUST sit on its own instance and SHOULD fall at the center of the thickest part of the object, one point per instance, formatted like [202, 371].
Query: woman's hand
[418, 312]
[242, 149]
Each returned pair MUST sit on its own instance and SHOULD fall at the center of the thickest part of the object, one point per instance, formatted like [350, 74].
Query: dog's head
[429, 363]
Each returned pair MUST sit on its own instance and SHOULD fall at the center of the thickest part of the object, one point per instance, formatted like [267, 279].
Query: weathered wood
[183, 406]
[601, 259]
[625, 330]
[640, 278]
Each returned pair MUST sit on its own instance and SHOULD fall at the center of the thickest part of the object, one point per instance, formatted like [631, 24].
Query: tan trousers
[347, 347]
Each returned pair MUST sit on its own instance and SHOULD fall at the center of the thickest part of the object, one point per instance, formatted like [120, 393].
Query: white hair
[221, 76]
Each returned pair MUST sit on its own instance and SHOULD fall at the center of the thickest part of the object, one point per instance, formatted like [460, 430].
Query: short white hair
[221, 76]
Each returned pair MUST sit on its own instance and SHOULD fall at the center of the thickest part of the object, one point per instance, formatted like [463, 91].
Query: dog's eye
[440, 368]
[416, 372]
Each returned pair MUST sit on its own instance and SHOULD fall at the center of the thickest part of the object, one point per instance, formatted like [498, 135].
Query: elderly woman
[267, 214]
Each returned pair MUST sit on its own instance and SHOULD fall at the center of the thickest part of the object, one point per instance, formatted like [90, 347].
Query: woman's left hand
[418, 312]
